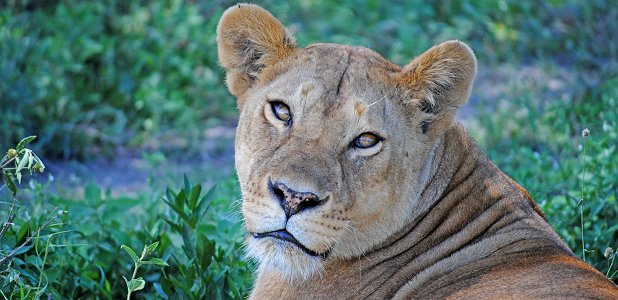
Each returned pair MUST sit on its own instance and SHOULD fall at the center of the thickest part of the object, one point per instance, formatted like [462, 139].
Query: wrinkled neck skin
[452, 214]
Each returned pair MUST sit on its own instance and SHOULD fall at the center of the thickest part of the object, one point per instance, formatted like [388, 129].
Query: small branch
[32, 236]
[6, 163]
[610, 266]
[585, 133]
[9, 219]
[137, 265]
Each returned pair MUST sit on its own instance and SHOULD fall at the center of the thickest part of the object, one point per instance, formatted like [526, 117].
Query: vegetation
[89, 76]
[94, 79]
[192, 250]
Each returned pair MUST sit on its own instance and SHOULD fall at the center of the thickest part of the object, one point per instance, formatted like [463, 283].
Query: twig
[32, 236]
[6, 163]
[581, 207]
[9, 219]
[610, 266]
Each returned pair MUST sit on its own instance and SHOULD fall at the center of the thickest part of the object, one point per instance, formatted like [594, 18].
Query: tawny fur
[423, 214]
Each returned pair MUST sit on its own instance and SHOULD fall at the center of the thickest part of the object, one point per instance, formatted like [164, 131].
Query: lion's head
[334, 143]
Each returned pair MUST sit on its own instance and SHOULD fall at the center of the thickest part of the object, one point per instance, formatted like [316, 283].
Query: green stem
[44, 260]
[613, 274]
[610, 266]
[9, 218]
[6, 163]
[137, 265]
[3, 259]
[581, 207]
[132, 277]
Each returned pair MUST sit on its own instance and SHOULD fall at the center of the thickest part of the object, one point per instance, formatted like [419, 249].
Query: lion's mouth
[284, 235]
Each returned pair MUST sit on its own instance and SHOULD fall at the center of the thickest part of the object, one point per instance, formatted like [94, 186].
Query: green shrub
[93, 75]
[80, 255]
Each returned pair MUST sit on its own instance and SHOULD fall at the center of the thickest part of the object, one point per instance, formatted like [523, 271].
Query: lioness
[358, 182]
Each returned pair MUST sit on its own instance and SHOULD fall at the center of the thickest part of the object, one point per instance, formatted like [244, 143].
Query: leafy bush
[136, 284]
[17, 162]
[81, 256]
[202, 270]
[91, 75]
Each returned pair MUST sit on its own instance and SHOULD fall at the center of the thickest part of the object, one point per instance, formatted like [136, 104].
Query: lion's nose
[292, 201]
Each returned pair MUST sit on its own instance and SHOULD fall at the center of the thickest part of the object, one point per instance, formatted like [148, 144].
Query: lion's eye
[281, 111]
[366, 140]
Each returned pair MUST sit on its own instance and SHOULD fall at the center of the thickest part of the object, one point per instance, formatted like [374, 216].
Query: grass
[91, 78]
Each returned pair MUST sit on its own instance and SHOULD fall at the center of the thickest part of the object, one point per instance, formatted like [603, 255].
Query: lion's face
[342, 140]
[333, 143]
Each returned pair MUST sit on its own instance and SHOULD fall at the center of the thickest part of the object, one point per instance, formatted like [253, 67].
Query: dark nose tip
[292, 201]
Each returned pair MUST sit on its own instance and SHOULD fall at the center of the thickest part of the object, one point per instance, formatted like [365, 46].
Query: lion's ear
[439, 81]
[248, 39]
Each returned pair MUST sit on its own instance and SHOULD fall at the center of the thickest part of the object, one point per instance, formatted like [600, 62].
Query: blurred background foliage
[96, 75]
[100, 79]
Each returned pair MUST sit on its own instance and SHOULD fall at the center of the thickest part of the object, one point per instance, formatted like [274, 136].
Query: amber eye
[366, 140]
[281, 111]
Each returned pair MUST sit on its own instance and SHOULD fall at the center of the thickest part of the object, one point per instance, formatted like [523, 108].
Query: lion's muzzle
[294, 202]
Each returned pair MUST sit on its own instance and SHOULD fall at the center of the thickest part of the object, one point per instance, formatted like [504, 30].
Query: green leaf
[131, 253]
[180, 200]
[169, 195]
[174, 226]
[205, 202]
[30, 160]
[178, 208]
[134, 284]
[194, 195]
[126, 282]
[23, 230]
[138, 283]
[155, 261]
[23, 161]
[39, 161]
[25, 141]
[205, 251]
[152, 247]
[188, 240]
[23, 250]
[8, 179]
[187, 183]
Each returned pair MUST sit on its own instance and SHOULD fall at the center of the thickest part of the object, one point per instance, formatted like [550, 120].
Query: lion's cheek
[243, 162]
[374, 206]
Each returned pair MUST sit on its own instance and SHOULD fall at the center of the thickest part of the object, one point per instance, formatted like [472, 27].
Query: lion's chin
[292, 263]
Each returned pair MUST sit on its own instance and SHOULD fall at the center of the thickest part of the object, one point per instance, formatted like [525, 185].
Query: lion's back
[532, 276]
